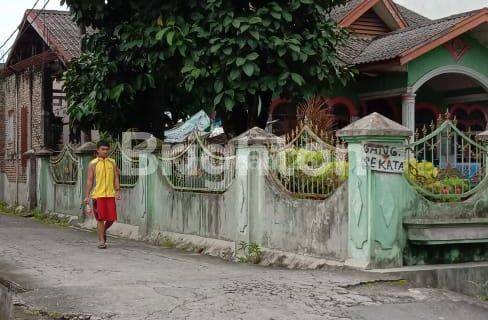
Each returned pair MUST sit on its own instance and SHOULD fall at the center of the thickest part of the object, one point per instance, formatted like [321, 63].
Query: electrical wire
[35, 18]
[16, 29]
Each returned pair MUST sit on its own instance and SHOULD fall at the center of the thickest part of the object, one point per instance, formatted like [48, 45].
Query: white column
[408, 110]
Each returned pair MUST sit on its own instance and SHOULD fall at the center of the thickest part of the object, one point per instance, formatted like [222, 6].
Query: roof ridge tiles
[49, 11]
[432, 22]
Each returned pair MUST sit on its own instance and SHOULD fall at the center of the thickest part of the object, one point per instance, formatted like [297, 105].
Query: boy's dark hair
[103, 143]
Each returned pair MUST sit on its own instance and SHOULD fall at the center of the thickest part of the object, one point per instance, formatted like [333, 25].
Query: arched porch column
[408, 110]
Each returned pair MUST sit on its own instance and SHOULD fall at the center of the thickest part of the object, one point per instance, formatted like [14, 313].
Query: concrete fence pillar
[251, 163]
[86, 153]
[376, 160]
[42, 180]
[148, 164]
[30, 157]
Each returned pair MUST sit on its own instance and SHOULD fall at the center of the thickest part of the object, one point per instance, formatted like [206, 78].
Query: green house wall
[384, 82]
[475, 58]
[351, 91]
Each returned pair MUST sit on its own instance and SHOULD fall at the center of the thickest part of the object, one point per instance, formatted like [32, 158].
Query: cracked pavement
[63, 272]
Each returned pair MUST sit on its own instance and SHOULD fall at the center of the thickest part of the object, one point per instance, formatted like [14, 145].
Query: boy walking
[104, 172]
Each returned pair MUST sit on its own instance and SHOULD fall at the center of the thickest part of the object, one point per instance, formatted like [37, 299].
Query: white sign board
[383, 157]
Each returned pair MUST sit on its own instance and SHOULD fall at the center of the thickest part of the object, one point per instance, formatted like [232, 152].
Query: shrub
[309, 171]
[445, 183]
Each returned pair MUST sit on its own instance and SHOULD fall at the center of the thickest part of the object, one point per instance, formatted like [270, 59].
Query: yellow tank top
[104, 178]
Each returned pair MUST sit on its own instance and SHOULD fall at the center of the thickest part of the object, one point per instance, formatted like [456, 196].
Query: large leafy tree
[232, 57]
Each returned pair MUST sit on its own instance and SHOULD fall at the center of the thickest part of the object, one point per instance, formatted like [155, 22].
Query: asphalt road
[62, 272]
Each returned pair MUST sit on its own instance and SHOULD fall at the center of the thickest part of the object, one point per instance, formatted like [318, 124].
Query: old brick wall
[2, 123]
[37, 112]
[10, 125]
[23, 123]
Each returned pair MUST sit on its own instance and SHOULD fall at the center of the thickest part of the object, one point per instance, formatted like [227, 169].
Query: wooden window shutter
[370, 24]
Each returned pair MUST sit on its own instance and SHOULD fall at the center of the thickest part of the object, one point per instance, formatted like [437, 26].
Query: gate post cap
[29, 153]
[256, 136]
[374, 124]
[44, 152]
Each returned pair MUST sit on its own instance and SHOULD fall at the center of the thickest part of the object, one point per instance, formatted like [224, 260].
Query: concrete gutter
[467, 278]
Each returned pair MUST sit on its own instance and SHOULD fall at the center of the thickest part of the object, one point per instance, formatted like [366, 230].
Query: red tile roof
[420, 31]
[340, 12]
[413, 18]
[58, 30]
[393, 45]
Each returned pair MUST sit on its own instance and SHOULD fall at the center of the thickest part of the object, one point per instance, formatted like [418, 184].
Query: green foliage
[37, 214]
[150, 56]
[48, 218]
[482, 289]
[106, 136]
[311, 171]
[423, 172]
[5, 208]
[252, 252]
[445, 183]
[167, 243]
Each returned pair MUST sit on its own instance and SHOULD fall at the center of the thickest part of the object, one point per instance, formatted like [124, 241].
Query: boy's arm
[89, 183]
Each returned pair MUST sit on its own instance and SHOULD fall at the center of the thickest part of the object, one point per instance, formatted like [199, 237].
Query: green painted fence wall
[251, 210]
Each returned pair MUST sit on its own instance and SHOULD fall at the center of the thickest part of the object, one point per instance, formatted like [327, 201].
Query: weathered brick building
[33, 113]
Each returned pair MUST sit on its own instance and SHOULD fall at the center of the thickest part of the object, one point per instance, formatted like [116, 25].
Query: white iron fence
[445, 165]
[64, 166]
[198, 166]
[311, 165]
[128, 163]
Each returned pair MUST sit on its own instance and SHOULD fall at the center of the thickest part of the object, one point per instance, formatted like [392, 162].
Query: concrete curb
[468, 278]
[223, 249]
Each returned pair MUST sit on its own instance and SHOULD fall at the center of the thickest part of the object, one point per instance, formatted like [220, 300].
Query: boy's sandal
[102, 246]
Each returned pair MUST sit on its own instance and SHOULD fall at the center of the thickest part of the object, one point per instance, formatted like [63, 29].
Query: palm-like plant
[316, 113]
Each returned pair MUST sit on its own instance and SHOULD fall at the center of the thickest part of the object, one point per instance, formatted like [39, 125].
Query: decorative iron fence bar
[446, 165]
[198, 166]
[64, 166]
[128, 163]
[308, 166]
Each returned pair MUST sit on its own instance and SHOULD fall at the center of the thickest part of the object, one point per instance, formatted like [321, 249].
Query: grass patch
[5, 208]
[400, 282]
[49, 219]
[36, 214]
[167, 243]
[482, 289]
[252, 253]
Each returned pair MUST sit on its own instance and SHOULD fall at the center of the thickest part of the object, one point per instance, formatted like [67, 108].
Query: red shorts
[105, 209]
